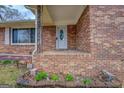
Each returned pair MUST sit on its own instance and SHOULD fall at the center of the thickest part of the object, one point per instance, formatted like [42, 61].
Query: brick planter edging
[63, 84]
[22, 59]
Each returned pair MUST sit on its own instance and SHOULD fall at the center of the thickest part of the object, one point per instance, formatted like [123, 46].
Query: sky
[22, 9]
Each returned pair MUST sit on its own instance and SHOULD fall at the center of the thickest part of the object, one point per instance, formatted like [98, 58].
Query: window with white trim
[23, 36]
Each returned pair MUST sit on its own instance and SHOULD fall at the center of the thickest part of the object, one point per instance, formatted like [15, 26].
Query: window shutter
[7, 38]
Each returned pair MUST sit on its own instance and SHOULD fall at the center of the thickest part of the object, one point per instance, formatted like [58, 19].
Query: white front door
[61, 37]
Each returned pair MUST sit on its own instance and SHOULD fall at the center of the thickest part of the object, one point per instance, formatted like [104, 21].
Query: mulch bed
[27, 80]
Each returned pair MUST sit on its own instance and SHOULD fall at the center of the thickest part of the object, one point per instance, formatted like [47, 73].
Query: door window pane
[61, 35]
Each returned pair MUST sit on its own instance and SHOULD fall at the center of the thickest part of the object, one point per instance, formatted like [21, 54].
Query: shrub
[5, 62]
[54, 77]
[87, 81]
[41, 75]
[0, 61]
[69, 77]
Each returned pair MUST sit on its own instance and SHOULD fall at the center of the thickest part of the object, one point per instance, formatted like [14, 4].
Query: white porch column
[38, 36]
[38, 29]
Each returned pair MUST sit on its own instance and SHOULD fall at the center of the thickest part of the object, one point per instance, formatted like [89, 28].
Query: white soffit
[65, 14]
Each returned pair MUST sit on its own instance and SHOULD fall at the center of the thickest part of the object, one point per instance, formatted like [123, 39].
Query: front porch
[64, 47]
[64, 32]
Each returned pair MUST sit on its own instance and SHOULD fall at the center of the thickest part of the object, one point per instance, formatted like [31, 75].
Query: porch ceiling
[65, 14]
[60, 14]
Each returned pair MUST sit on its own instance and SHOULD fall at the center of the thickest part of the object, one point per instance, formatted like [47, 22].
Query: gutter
[16, 21]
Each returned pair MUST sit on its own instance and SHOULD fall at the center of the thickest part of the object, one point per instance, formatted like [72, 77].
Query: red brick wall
[71, 36]
[82, 64]
[49, 38]
[107, 30]
[83, 32]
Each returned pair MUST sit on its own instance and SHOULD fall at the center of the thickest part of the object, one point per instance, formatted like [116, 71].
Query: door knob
[56, 38]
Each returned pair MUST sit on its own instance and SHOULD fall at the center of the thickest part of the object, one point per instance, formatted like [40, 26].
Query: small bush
[54, 77]
[38, 77]
[87, 81]
[5, 62]
[0, 61]
[41, 75]
[69, 77]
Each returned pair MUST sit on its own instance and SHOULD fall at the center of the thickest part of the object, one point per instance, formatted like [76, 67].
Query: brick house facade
[96, 41]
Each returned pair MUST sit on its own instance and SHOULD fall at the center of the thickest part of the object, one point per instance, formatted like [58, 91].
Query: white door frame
[58, 44]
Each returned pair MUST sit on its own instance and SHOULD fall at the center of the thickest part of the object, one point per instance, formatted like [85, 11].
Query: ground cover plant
[87, 81]
[41, 75]
[54, 77]
[69, 77]
[5, 62]
[9, 73]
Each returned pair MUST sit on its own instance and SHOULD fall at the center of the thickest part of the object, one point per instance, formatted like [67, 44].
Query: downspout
[35, 47]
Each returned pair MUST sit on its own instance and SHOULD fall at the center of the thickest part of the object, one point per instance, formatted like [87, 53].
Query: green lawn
[9, 74]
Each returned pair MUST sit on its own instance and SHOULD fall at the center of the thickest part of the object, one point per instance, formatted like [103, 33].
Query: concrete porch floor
[64, 52]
